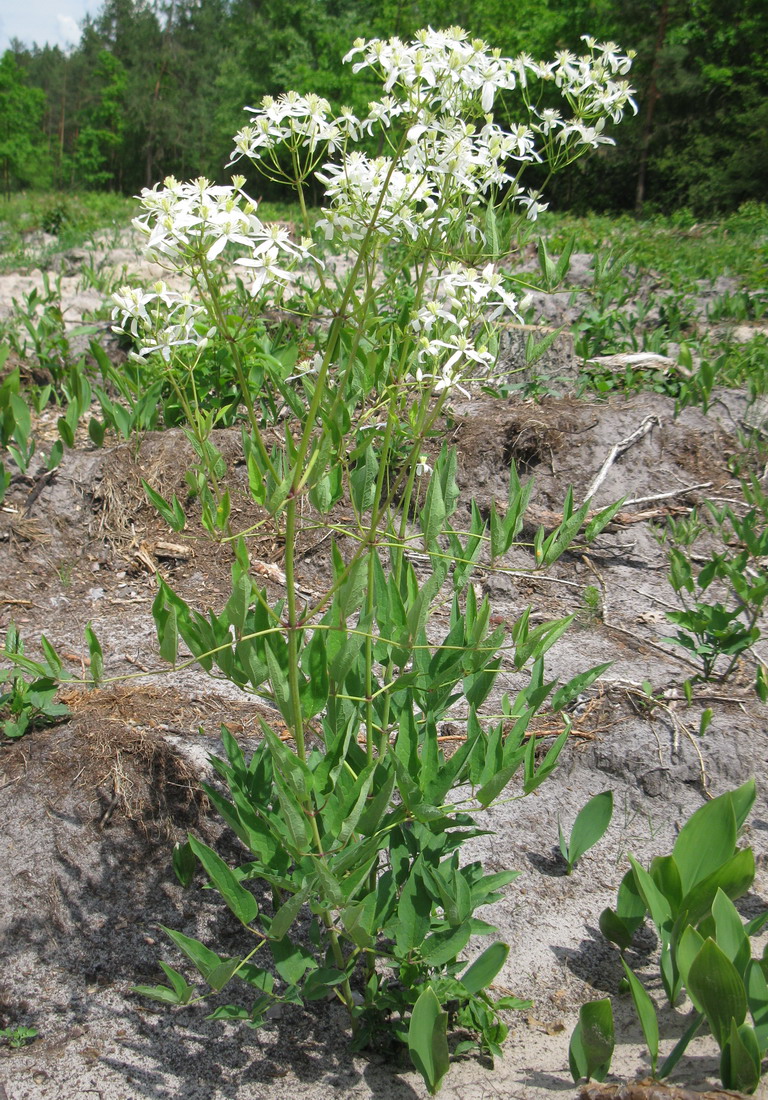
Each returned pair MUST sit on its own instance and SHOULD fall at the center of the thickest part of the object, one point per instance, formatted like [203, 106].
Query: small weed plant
[351, 882]
[26, 703]
[718, 632]
[706, 949]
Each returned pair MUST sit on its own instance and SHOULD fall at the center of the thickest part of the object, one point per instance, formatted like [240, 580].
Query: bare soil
[90, 808]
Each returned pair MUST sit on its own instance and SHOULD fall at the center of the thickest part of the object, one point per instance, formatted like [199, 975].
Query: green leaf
[615, 929]
[655, 902]
[731, 935]
[180, 985]
[534, 776]
[734, 878]
[706, 841]
[184, 863]
[292, 960]
[687, 948]
[740, 1060]
[314, 664]
[158, 993]
[222, 973]
[442, 947]
[646, 1014]
[413, 913]
[590, 825]
[287, 913]
[198, 954]
[95, 654]
[427, 1041]
[485, 968]
[241, 901]
[592, 1042]
[173, 513]
[719, 989]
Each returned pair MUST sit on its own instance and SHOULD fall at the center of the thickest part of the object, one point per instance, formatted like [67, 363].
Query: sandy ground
[89, 809]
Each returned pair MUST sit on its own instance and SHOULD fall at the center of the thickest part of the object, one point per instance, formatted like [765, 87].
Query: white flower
[160, 319]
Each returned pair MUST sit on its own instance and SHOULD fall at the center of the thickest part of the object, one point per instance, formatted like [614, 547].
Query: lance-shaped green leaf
[413, 912]
[287, 913]
[198, 954]
[592, 1042]
[95, 654]
[241, 901]
[179, 993]
[172, 513]
[534, 776]
[427, 1041]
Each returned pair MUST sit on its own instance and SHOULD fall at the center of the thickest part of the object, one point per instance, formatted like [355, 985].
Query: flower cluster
[452, 325]
[297, 121]
[160, 319]
[443, 72]
[189, 225]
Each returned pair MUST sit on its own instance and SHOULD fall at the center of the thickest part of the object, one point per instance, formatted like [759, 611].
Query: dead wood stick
[673, 493]
[619, 449]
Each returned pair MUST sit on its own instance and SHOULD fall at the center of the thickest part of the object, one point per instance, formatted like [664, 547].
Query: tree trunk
[653, 95]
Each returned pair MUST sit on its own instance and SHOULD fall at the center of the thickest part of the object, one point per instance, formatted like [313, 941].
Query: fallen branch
[618, 449]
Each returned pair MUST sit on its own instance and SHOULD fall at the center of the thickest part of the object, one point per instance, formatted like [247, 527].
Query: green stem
[242, 381]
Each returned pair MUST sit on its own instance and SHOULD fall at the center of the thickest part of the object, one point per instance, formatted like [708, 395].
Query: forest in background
[158, 88]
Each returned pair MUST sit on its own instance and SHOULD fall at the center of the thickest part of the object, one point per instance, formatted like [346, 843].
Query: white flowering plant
[402, 291]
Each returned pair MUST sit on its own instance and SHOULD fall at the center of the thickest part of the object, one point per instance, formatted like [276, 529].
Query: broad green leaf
[241, 901]
[442, 947]
[427, 1040]
[615, 930]
[590, 825]
[734, 878]
[731, 936]
[706, 841]
[646, 1014]
[665, 874]
[413, 912]
[740, 1059]
[757, 1000]
[485, 968]
[719, 989]
[687, 948]
[292, 960]
[743, 799]
[314, 664]
[655, 902]
[592, 1042]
